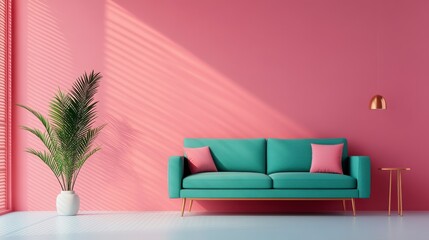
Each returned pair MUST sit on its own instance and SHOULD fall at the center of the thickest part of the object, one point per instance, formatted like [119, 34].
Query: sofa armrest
[175, 175]
[360, 168]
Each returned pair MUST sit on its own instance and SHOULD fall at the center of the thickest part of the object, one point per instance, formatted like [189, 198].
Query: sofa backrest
[294, 155]
[234, 155]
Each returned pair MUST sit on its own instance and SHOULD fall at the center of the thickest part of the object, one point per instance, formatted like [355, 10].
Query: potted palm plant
[68, 135]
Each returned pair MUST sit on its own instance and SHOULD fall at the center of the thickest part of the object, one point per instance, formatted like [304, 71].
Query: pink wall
[239, 69]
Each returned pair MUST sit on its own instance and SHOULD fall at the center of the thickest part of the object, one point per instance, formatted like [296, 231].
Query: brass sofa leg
[183, 205]
[353, 207]
[344, 205]
[190, 205]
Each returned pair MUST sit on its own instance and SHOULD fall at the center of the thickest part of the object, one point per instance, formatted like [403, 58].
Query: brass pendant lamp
[377, 103]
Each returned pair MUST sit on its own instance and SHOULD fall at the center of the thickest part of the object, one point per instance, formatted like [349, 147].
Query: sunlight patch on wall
[48, 64]
[157, 93]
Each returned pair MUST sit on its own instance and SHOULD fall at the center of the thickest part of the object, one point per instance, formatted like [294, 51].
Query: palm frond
[45, 122]
[46, 158]
[44, 138]
[49, 161]
[69, 133]
[85, 142]
[87, 156]
[39, 116]
[82, 161]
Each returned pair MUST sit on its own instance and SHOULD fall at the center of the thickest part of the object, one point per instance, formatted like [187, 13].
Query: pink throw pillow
[200, 160]
[326, 158]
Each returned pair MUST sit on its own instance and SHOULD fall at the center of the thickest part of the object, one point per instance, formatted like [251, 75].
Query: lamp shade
[377, 103]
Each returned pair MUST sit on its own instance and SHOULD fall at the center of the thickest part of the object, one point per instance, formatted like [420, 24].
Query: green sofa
[267, 169]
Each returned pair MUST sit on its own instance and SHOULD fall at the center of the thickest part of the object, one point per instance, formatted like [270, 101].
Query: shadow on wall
[166, 93]
[257, 77]
[111, 171]
[263, 70]
[45, 73]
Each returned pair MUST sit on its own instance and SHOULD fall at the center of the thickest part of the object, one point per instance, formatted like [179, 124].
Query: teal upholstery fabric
[360, 168]
[294, 155]
[306, 180]
[234, 155]
[242, 165]
[225, 180]
[269, 193]
[175, 175]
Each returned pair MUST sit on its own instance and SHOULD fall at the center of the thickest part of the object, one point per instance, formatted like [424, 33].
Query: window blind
[5, 103]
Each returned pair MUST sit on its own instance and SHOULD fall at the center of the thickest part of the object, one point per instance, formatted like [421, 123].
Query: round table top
[395, 169]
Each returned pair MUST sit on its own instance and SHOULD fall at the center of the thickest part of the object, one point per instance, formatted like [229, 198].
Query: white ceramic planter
[67, 203]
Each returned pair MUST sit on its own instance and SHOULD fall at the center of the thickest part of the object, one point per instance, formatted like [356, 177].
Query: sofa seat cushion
[306, 180]
[231, 180]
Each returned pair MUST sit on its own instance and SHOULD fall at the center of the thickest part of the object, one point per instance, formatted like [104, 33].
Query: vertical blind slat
[5, 102]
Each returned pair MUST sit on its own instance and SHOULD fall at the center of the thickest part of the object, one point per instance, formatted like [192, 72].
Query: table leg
[183, 205]
[344, 205]
[390, 190]
[353, 207]
[398, 189]
[190, 205]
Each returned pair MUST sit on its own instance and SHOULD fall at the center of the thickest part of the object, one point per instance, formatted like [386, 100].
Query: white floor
[169, 225]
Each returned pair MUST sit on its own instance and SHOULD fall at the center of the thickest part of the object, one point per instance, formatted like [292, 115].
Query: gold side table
[398, 185]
